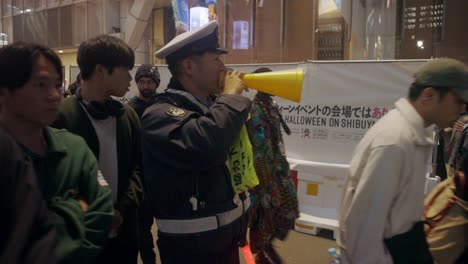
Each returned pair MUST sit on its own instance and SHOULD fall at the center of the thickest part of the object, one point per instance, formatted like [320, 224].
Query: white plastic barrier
[319, 190]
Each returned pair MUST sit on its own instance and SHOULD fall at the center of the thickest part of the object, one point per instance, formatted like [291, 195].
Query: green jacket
[73, 118]
[69, 171]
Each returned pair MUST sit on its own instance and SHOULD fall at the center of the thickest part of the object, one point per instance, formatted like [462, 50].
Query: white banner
[340, 101]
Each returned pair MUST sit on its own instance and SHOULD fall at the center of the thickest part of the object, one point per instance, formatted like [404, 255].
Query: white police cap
[192, 42]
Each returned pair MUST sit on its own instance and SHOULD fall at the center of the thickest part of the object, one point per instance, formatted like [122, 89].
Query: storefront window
[290, 31]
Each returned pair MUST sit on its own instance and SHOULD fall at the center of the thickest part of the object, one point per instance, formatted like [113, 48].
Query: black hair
[17, 61]
[72, 88]
[175, 64]
[262, 69]
[416, 89]
[78, 78]
[108, 51]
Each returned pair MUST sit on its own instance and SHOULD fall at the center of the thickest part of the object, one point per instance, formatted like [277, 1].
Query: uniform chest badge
[175, 111]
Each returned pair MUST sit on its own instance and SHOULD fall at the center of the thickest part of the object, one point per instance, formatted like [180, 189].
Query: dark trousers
[123, 248]
[218, 246]
[145, 243]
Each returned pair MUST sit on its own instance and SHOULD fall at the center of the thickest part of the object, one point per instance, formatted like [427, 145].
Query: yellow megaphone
[286, 84]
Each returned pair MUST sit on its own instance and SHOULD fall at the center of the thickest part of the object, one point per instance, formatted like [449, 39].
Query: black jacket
[139, 105]
[184, 146]
[27, 233]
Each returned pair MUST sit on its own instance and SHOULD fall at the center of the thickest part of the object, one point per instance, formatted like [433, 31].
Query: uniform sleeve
[191, 139]
[366, 207]
[81, 235]
[134, 193]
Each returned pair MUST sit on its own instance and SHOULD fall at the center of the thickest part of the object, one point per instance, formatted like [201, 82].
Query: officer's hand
[233, 83]
[83, 204]
[458, 126]
[118, 220]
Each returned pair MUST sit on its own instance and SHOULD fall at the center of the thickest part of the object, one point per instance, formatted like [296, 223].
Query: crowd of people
[84, 177]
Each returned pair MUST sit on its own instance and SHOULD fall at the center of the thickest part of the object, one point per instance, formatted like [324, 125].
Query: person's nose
[54, 94]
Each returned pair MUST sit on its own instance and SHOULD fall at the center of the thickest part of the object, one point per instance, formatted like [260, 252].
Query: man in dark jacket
[26, 230]
[112, 131]
[186, 136]
[78, 198]
[147, 78]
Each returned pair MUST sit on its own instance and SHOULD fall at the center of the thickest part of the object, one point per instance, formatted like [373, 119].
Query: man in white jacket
[380, 216]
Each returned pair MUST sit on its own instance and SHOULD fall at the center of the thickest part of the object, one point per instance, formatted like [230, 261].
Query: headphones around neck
[101, 111]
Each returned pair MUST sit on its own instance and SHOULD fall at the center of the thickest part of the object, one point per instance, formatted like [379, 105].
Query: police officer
[185, 138]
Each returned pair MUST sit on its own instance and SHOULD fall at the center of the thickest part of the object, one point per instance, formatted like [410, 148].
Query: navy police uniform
[184, 152]
[185, 143]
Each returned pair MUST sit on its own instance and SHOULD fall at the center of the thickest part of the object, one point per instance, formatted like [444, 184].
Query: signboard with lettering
[419, 16]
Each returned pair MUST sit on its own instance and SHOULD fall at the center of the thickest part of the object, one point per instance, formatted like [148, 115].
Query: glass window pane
[6, 7]
[8, 30]
[52, 28]
[238, 31]
[95, 15]
[35, 27]
[28, 6]
[65, 34]
[298, 32]
[17, 7]
[18, 22]
[267, 37]
[79, 23]
[3, 36]
[52, 3]
[40, 4]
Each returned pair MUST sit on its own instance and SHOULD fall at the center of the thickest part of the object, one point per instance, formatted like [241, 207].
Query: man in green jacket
[112, 131]
[78, 198]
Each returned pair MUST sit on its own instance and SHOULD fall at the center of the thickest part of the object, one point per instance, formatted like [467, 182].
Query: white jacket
[384, 190]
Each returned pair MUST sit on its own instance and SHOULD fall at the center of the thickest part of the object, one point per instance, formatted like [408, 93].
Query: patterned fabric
[276, 207]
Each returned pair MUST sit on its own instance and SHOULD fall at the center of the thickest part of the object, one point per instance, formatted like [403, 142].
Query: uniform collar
[422, 135]
[189, 97]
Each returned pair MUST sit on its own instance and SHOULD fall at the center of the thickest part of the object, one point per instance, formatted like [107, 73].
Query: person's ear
[429, 94]
[189, 66]
[99, 71]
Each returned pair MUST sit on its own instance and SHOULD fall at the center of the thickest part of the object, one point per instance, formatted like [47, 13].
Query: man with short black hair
[78, 198]
[112, 131]
[382, 206]
[186, 136]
